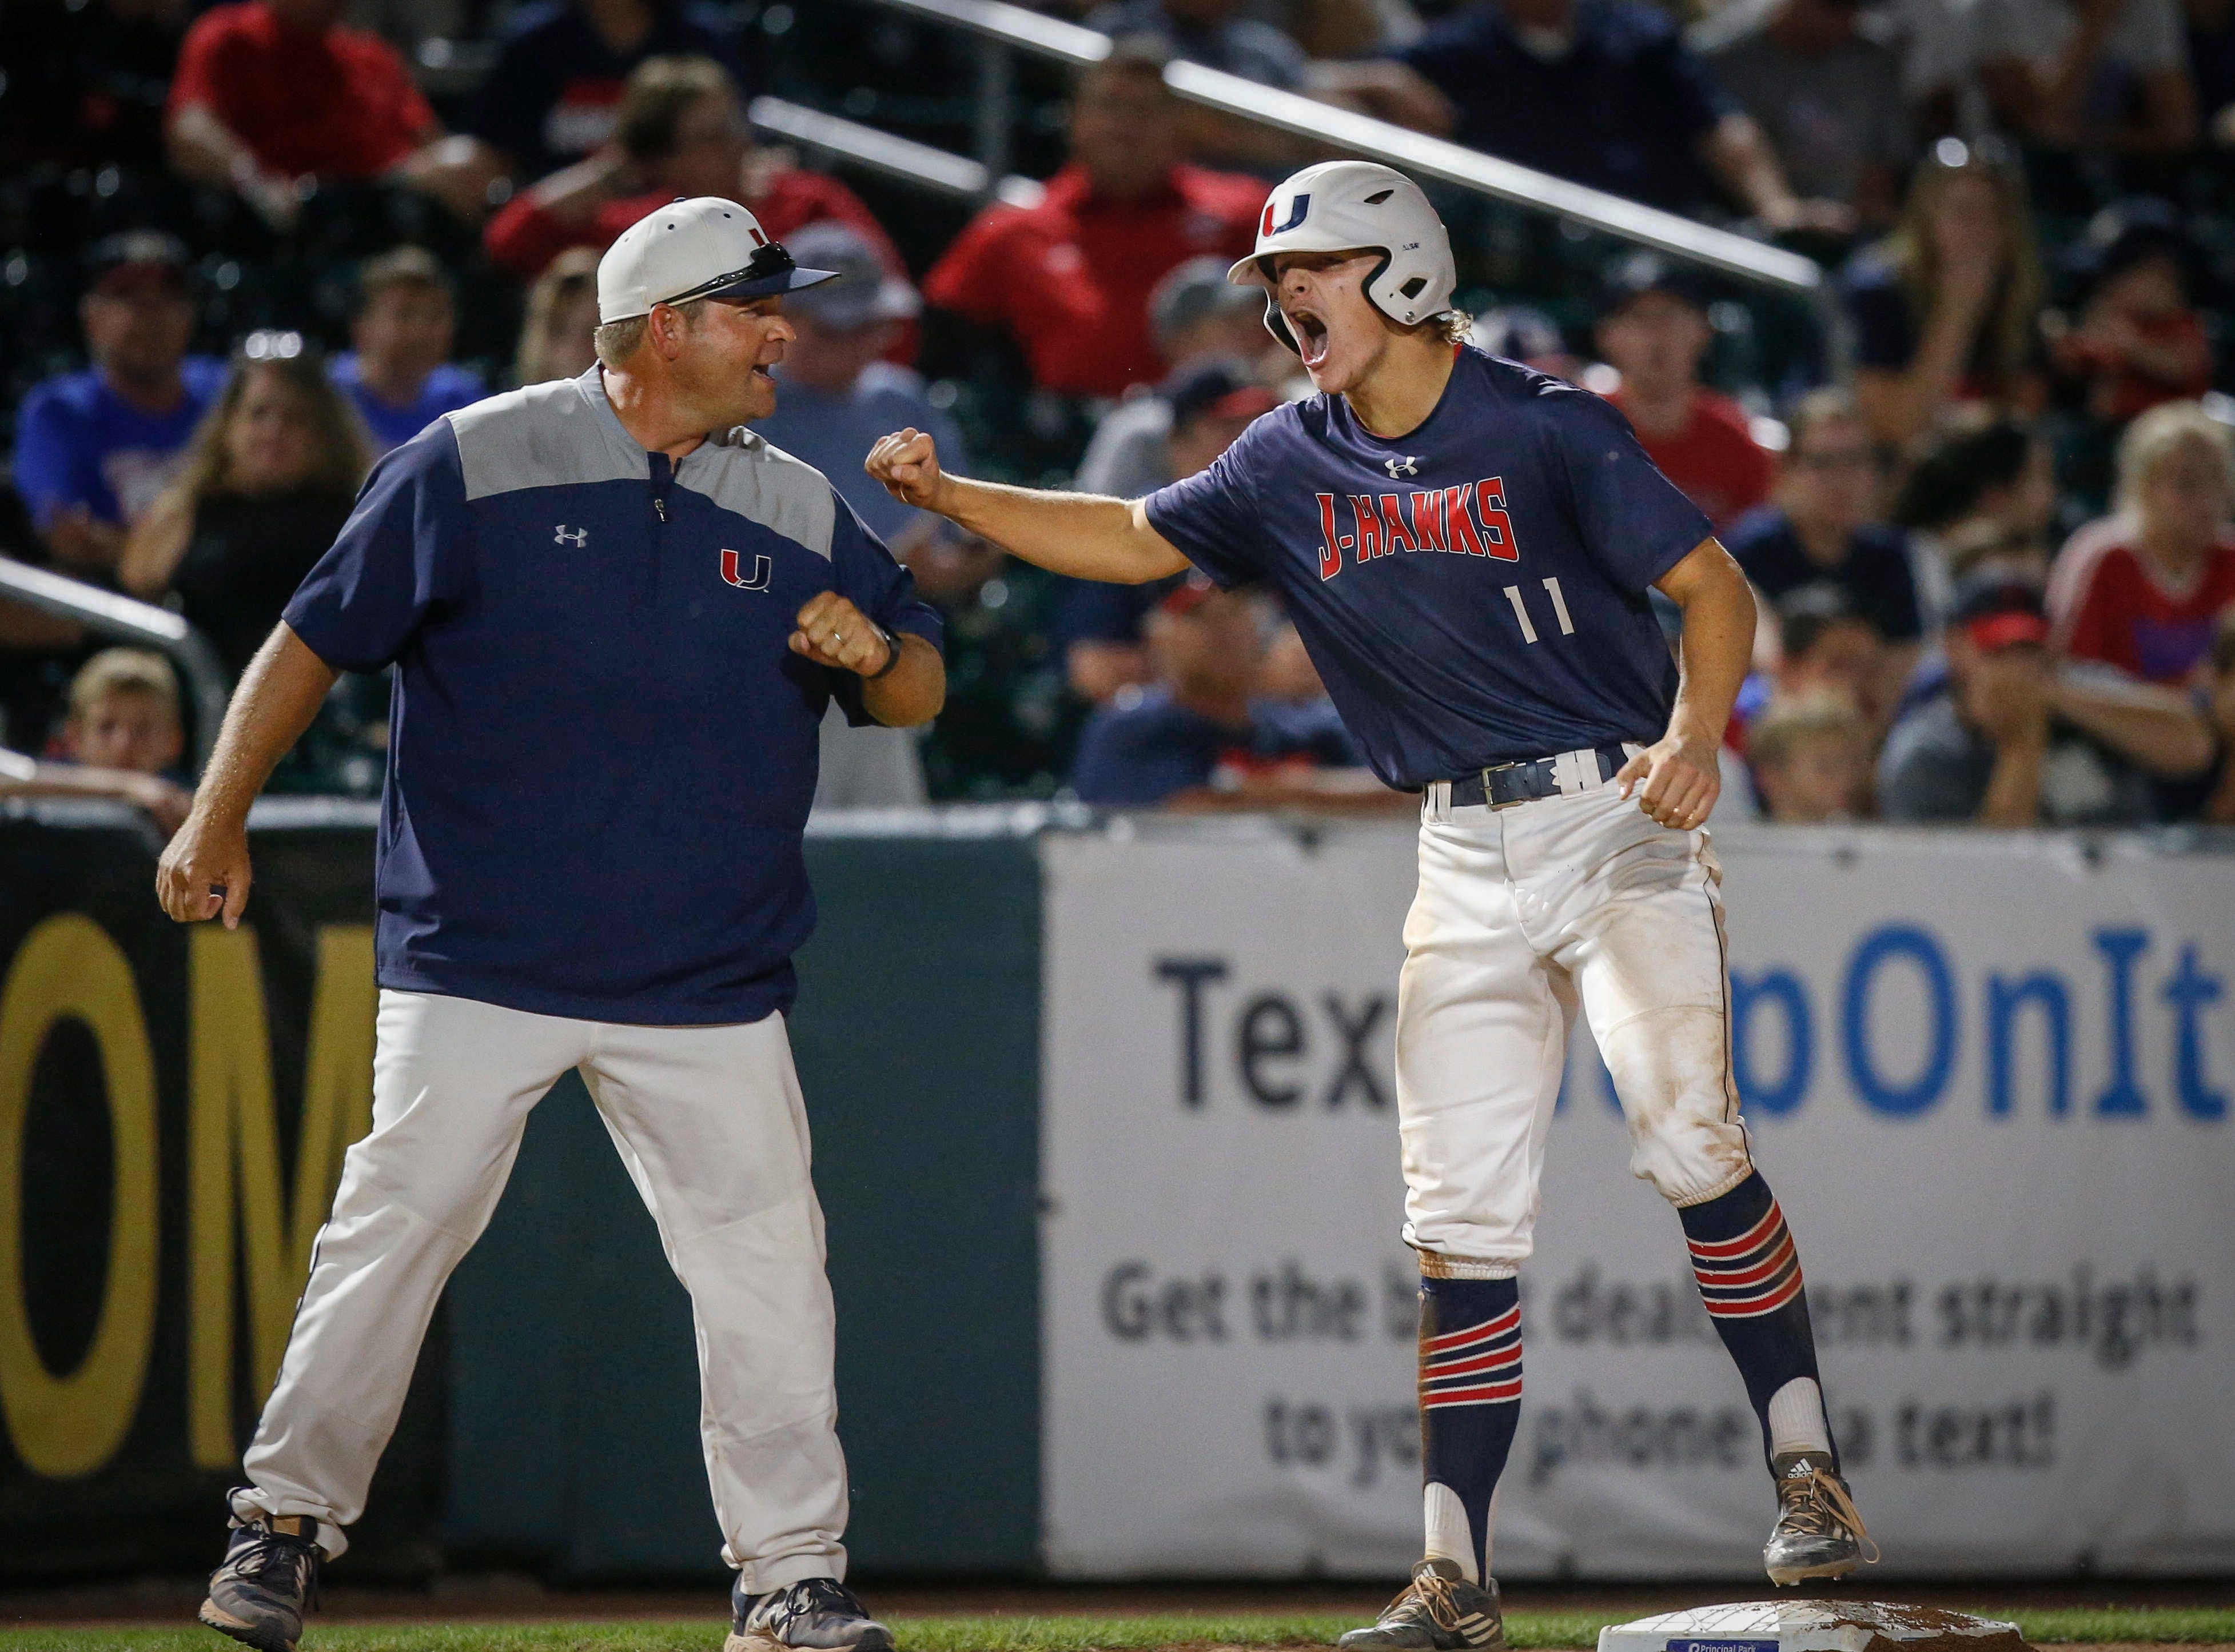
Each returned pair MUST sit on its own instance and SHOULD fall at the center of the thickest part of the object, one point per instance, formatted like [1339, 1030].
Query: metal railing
[938, 170]
[207, 681]
[1004, 26]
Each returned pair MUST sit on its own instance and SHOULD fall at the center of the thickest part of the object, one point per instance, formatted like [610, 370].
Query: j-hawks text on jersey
[1469, 519]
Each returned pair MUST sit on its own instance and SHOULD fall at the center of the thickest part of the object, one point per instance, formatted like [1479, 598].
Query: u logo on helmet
[1302, 205]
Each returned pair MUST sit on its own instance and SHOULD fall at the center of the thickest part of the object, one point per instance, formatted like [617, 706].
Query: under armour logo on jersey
[759, 580]
[1408, 466]
[1297, 208]
[562, 535]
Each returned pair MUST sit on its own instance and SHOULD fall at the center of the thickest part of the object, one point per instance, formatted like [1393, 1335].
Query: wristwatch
[892, 653]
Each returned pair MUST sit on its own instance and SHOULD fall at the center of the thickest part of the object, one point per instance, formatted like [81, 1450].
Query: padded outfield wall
[1104, 1135]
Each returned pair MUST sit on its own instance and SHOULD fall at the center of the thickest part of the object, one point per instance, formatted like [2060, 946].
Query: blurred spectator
[1606, 93]
[1827, 96]
[681, 134]
[1983, 493]
[1812, 759]
[1937, 45]
[1206, 407]
[1197, 316]
[274, 97]
[2218, 805]
[122, 737]
[2211, 67]
[1826, 647]
[266, 485]
[554, 94]
[1202, 737]
[1071, 277]
[1218, 33]
[1652, 330]
[2138, 340]
[836, 395]
[1823, 647]
[1824, 527]
[86, 82]
[2147, 597]
[561, 316]
[2089, 74]
[93, 448]
[1947, 308]
[1999, 733]
[1522, 333]
[400, 377]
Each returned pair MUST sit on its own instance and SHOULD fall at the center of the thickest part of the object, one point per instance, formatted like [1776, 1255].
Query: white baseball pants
[710, 1123]
[1520, 912]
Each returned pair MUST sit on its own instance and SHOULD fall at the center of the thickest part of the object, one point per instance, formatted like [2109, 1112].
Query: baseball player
[1466, 546]
[616, 616]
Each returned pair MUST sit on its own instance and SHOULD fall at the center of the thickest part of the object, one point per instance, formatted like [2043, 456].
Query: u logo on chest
[762, 573]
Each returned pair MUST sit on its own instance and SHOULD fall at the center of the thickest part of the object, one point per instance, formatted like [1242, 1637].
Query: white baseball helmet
[1339, 204]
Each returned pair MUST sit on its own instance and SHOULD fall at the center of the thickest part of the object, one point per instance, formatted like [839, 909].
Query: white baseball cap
[701, 248]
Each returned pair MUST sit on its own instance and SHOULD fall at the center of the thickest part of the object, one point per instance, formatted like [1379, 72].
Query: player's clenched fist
[907, 462]
[833, 632]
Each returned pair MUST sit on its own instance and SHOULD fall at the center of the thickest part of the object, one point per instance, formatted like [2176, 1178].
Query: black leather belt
[1521, 782]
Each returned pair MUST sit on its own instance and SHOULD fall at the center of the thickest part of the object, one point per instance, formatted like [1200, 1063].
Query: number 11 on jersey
[1559, 610]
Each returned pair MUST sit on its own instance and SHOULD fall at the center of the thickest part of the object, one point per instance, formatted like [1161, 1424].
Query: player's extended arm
[1084, 535]
[1676, 778]
[205, 871]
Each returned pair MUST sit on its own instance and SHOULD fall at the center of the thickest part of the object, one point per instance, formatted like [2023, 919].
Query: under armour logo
[758, 580]
[577, 537]
[1408, 466]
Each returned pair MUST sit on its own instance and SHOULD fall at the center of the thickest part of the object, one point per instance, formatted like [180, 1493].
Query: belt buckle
[1489, 792]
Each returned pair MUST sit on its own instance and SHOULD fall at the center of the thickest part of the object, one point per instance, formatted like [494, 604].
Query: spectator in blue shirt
[554, 93]
[1604, 92]
[840, 393]
[1823, 530]
[400, 378]
[1203, 736]
[93, 449]
[1205, 406]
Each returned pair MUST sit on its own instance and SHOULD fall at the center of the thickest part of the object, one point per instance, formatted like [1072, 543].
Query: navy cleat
[271, 1573]
[1819, 1531]
[1438, 1611]
[817, 1612]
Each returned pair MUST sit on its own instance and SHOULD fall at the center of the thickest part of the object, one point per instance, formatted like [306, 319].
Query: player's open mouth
[1311, 335]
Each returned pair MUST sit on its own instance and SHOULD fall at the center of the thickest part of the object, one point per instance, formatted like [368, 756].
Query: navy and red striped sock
[1470, 1401]
[1749, 1275]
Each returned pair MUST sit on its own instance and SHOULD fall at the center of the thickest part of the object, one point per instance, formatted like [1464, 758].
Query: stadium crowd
[1984, 495]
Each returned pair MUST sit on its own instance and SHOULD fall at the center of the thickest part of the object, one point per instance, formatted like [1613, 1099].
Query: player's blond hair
[123, 671]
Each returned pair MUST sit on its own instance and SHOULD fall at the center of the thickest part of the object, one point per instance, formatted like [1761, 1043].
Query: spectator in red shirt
[2138, 340]
[1069, 278]
[1653, 332]
[274, 97]
[2144, 591]
[681, 132]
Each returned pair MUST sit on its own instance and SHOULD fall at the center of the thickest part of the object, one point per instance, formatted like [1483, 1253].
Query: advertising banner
[174, 1104]
[1987, 1076]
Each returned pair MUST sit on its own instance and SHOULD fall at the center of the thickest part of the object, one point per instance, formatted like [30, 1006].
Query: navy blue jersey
[1473, 593]
[602, 748]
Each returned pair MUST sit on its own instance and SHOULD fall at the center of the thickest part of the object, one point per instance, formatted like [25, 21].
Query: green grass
[1056, 1634]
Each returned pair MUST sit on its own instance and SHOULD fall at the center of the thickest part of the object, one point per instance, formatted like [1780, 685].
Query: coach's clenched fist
[907, 462]
[204, 871]
[833, 632]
